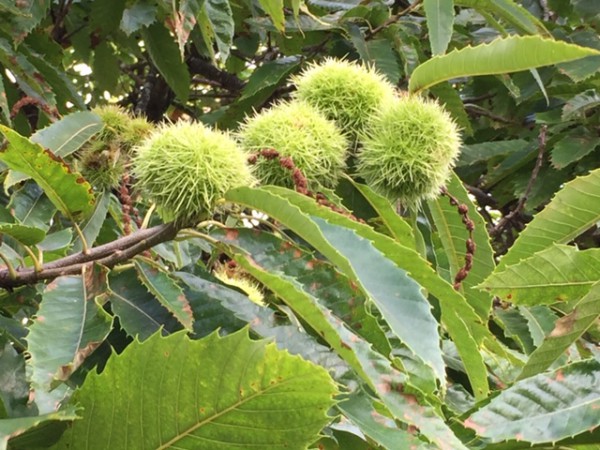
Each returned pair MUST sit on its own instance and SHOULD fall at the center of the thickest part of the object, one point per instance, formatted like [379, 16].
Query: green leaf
[33, 11]
[513, 13]
[183, 21]
[4, 108]
[140, 313]
[545, 408]
[558, 273]
[566, 331]
[105, 66]
[274, 8]
[440, 22]
[572, 148]
[503, 55]
[516, 327]
[270, 75]
[138, 16]
[397, 296]
[459, 318]
[69, 133]
[10, 428]
[377, 53]
[573, 210]
[165, 55]
[22, 233]
[69, 192]
[105, 16]
[483, 151]
[359, 408]
[70, 319]
[453, 235]
[450, 99]
[580, 104]
[166, 291]
[31, 206]
[220, 17]
[90, 228]
[368, 364]
[398, 228]
[14, 389]
[251, 394]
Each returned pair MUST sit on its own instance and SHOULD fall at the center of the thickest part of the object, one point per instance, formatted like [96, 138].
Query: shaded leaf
[250, 394]
[4, 108]
[483, 151]
[71, 320]
[559, 273]
[166, 291]
[32, 207]
[90, 228]
[183, 21]
[22, 233]
[105, 66]
[580, 104]
[566, 331]
[503, 55]
[269, 75]
[69, 192]
[220, 16]
[106, 15]
[165, 56]
[440, 22]
[140, 314]
[14, 427]
[573, 210]
[14, 390]
[572, 148]
[545, 408]
[137, 16]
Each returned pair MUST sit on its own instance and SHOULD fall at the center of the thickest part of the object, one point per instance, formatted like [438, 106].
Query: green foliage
[251, 392]
[468, 320]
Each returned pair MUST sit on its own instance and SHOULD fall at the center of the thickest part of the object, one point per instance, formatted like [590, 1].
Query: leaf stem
[11, 270]
[85, 249]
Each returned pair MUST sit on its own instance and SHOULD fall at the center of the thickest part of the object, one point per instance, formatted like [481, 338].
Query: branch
[109, 255]
[534, 173]
[393, 19]
[200, 66]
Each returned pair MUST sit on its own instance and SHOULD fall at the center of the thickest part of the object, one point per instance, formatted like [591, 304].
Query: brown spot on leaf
[474, 426]
[560, 376]
[564, 325]
[231, 234]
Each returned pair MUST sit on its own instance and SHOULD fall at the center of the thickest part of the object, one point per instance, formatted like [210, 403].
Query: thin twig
[392, 19]
[502, 223]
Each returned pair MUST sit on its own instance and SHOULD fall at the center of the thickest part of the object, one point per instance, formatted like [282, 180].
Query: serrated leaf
[545, 408]
[335, 5]
[69, 192]
[14, 389]
[274, 8]
[377, 53]
[106, 15]
[440, 22]
[10, 428]
[566, 331]
[166, 291]
[269, 75]
[558, 273]
[69, 133]
[503, 55]
[139, 312]
[513, 13]
[453, 235]
[580, 104]
[138, 16]
[22, 233]
[573, 210]
[450, 99]
[33, 11]
[220, 16]
[516, 327]
[370, 365]
[459, 318]
[250, 394]
[165, 55]
[71, 320]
